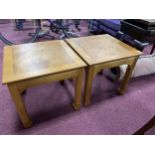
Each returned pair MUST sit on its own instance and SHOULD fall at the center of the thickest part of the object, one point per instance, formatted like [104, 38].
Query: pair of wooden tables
[34, 64]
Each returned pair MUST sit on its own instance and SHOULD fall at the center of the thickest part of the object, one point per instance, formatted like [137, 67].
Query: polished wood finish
[29, 65]
[38, 59]
[20, 106]
[100, 52]
[127, 76]
[102, 49]
[78, 89]
[90, 72]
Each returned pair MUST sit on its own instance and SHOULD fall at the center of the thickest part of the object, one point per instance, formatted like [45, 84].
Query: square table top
[101, 49]
[21, 62]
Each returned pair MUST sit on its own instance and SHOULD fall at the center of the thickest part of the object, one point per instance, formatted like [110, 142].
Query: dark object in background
[143, 30]
[135, 32]
[110, 26]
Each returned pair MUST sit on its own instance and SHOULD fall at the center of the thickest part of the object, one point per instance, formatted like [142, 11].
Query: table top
[101, 49]
[21, 62]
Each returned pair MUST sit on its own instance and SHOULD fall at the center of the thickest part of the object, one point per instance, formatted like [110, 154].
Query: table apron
[116, 63]
[46, 79]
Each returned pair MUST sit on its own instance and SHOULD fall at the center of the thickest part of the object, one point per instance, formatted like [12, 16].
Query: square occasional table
[100, 52]
[28, 65]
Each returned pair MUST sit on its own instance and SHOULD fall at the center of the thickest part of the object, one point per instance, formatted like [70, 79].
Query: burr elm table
[100, 52]
[34, 64]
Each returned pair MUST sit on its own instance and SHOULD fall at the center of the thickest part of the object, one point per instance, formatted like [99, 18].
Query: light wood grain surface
[29, 65]
[101, 49]
[27, 61]
[100, 52]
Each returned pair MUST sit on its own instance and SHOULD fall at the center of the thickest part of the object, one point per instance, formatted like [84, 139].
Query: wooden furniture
[33, 64]
[100, 52]
[146, 127]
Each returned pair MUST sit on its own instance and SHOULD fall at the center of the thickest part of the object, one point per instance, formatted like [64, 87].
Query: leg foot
[28, 124]
[76, 106]
[120, 92]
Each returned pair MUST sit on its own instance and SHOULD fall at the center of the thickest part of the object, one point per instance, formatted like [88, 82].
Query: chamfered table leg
[78, 90]
[88, 84]
[127, 76]
[20, 106]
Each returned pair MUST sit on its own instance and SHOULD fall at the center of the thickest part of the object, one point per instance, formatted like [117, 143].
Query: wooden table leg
[90, 71]
[17, 98]
[78, 90]
[126, 78]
